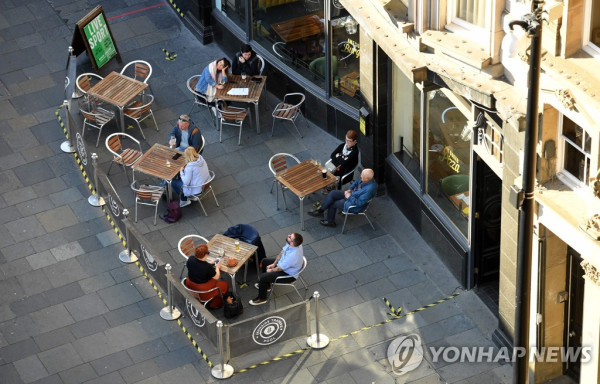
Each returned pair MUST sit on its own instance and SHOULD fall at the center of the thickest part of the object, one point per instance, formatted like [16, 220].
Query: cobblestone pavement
[71, 312]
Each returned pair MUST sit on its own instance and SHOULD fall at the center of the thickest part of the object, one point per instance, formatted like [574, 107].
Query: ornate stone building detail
[591, 272]
[565, 97]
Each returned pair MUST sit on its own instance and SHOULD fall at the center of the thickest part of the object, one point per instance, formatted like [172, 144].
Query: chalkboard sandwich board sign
[92, 34]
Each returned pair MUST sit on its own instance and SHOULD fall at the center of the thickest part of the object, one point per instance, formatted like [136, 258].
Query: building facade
[439, 91]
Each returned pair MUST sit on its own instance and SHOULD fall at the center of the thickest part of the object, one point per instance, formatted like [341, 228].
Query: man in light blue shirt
[289, 263]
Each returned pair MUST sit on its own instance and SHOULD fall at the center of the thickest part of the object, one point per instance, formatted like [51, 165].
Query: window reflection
[406, 126]
[346, 51]
[595, 23]
[577, 150]
[235, 10]
[471, 11]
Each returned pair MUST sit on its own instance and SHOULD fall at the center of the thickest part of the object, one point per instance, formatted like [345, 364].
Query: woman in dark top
[345, 156]
[203, 276]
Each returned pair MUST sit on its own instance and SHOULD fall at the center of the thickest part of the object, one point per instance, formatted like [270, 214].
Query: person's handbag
[232, 305]
[173, 212]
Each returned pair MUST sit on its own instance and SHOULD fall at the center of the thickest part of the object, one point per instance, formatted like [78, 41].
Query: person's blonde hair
[190, 154]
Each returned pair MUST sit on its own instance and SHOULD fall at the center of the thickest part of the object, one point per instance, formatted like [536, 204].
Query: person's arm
[206, 75]
[217, 275]
[235, 65]
[271, 266]
[337, 152]
[360, 197]
[186, 177]
[349, 162]
[194, 139]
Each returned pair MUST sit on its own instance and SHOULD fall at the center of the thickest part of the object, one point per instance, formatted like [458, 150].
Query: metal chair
[142, 70]
[363, 213]
[280, 281]
[199, 98]
[261, 62]
[277, 163]
[95, 117]
[289, 109]
[205, 188]
[126, 157]
[147, 195]
[188, 243]
[140, 109]
[231, 116]
[85, 82]
[346, 178]
[198, 294]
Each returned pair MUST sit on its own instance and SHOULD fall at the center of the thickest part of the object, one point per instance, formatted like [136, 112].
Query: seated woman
[191, 177]
[214, 74]
[204, 276]
[344, 157]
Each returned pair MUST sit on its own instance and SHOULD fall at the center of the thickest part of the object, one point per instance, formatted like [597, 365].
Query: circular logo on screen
[150, 262]
[81, 148]
[337, 4]
[114, 206]
[269, 330]
[405, 353]
[197, 318]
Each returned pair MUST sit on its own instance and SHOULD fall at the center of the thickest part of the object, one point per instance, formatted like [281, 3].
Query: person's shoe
[327, 223]
[184, 203]
[256, 286]
[315, 213]
[257, 301]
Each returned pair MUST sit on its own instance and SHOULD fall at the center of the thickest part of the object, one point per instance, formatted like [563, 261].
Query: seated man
[288, 263]
[359, 194]
[246, 62]
[180, 137]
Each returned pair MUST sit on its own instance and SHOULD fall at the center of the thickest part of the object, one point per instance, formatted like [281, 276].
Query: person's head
[351, 138]
[366, 175]
[190, 154]
[223, 64]
[246, 51]
[294, 239]
[201, 252]
[184, 122]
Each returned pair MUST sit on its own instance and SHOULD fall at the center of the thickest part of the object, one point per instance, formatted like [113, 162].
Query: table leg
[169, 191]
[302, 213]
[232, 282]
[122, 117]
[256, 117]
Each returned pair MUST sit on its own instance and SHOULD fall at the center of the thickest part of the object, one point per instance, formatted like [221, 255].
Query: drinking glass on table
[244, 76]
[172, 141]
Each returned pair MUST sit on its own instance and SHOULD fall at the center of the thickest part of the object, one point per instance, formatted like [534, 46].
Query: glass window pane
[448, 160]
[574, 162]
[294, 32]
[471, 11]
[595, 23]
[346, 50]
[235, 10]
[406, 125]
[572, 131]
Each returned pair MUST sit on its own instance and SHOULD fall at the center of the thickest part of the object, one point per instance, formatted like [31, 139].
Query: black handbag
[232, 305]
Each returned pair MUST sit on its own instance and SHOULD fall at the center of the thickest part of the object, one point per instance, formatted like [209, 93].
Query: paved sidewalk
[71, 312]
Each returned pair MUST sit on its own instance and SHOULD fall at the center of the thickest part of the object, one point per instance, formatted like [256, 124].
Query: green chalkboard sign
[94, 36]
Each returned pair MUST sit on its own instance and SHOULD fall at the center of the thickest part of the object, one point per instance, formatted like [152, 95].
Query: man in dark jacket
[181, 137]
[245, 62]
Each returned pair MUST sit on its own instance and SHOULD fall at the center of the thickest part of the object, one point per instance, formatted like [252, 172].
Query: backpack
[234, 308]
[173, 212]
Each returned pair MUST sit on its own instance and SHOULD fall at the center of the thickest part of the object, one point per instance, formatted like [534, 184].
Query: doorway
[574, 310]
[485, 245]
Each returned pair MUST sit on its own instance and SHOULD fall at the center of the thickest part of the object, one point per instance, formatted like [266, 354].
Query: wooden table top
[117, 89]
[235, 81]
[154, 162]
[304, 178]
[228, 245]
[298, 28]
[460, 203]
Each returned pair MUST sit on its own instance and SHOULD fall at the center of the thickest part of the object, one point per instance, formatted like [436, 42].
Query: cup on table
[172, 141]
[237, 246]
[168, 163]
[324, 173]
[243, 76]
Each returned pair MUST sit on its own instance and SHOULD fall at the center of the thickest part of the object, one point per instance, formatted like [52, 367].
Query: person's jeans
[177, 185]
[267, 278]
[334, 200]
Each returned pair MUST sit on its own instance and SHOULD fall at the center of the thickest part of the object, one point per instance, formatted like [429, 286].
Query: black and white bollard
[127, 255]
[95, 199]
[67, 145]
[317, 340]
[169, 312]
[221, 371]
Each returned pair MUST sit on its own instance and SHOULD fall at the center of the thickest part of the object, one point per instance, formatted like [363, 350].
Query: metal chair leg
[367, 217]
[344, 226]
[297, 130]
[273, 127]
[283, 194]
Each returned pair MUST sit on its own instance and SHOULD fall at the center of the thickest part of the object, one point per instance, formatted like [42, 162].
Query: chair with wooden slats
[289, 109]
[84, 83]
[124, 156]
[95, 117]
[231, 116]
[187, 246]
[147, 195]
[138, 70]
[140, 109]
[205, 189]
[278, 163]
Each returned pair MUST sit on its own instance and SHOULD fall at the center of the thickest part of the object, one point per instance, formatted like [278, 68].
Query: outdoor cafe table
[158, 162]
[117, 90]
[303, 179]
[228, 246]
[254, 91]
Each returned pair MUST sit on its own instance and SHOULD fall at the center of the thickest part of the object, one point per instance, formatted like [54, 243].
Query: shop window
[592, 27]
[406, 122]
[346, 60]
[449, 158]
[576, 151]
[235, 10]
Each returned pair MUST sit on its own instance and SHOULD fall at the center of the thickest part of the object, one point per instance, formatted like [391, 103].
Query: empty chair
[289, 109]
[205, 189]
[140, 109]
[85, 82]
[205, 297]
[199, 98]
[348, 212]
[284, 281]
[231, 116]
[138, 70]
[125, 156]
[277, 163]
[95, 117]
[147, 195]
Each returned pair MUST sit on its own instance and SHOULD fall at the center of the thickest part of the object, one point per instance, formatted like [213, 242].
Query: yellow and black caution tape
[124, 242]
[169, 55]
[179, 11]
[393, 312]
[396, 315]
